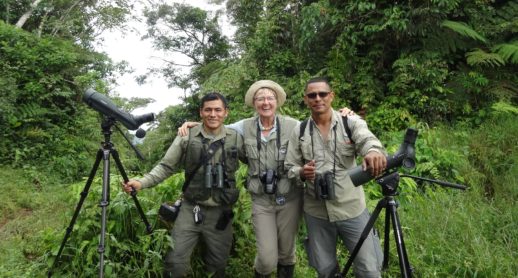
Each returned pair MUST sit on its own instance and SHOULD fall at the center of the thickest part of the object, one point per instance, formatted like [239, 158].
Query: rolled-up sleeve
[365, 140]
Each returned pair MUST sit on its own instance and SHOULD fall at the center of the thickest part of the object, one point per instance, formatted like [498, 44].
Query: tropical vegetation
[445, 67]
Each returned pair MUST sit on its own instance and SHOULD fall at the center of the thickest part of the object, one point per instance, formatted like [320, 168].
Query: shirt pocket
[307, 152]
[252, 154]
[346, 154]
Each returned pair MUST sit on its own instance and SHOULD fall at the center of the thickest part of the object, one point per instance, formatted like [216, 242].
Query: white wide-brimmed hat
[279, 91]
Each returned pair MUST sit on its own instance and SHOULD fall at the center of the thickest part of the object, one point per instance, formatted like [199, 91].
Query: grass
[31, 208]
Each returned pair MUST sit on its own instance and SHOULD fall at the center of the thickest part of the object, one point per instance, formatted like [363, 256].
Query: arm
[368, 146]
[166, 167]
[294, 162]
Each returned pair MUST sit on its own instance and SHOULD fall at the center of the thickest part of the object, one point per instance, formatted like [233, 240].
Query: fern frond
[479, 57]
[463, 29]
[32, 110]
[35, 133]
[508, 51]
[504, 107]
[503, 90]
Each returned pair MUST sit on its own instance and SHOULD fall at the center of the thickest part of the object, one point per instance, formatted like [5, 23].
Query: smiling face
[318, 97]
[213, 114]
[265, 102]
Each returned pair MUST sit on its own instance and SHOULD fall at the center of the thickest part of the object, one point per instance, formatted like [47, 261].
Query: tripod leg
[133, 193]
[404, 265]
[381, 204]
[103, 204]
[83, 194]
[386, 242]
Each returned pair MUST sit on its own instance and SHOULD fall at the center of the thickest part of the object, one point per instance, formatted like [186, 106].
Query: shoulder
[248, 121]
[356, 121]
[230, 132]
[288, 121]
[300, 128]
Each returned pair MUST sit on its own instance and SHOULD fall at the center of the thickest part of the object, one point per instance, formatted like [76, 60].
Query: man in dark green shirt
[206, 208]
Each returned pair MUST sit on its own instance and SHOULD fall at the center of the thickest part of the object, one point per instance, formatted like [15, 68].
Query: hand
[344, 112]
[184, 129]
[376, 162]
[132, 185]
[308, 171]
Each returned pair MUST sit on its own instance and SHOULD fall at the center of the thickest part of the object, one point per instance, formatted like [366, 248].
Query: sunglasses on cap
[315, 94]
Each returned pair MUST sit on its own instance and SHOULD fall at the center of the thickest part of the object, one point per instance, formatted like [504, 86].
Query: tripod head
[390, 182]
[106, 125]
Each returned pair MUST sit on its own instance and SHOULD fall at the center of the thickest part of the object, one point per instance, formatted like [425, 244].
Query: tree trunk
[27, 14]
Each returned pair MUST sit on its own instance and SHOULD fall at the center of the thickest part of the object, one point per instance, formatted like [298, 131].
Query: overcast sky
[140, 55]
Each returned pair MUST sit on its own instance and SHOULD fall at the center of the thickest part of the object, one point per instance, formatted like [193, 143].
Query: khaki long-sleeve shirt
[350, 200]
[184, 154]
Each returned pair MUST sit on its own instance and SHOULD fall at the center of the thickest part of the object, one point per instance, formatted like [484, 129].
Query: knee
[175, 266]
[265, 264]
[363, 273]
[327, 271]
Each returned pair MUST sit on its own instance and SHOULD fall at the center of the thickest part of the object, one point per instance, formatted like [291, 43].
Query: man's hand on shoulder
[184, 129]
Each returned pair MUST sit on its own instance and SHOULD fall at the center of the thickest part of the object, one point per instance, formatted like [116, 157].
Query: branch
[171, 62]
[63, 16]
[27, 14]
[42, 23]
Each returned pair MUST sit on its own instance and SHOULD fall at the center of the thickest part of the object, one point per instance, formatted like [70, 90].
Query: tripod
[103, 153]
[389, 184]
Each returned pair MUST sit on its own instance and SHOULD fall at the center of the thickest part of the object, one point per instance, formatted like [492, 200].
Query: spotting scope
[405, 157]
[104, 105]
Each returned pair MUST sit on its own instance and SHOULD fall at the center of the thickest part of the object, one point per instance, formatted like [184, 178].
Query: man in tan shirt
[333, 206]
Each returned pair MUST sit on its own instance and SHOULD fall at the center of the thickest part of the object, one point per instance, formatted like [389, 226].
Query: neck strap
[311, 124]
[278, 141]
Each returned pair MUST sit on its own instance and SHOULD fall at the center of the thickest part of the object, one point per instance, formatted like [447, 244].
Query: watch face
[280, 200]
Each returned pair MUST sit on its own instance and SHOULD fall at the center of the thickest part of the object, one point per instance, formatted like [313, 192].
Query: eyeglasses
[320, 94]
[262, 99]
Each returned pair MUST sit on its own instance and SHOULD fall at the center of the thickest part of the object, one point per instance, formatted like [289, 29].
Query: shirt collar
[261, 127]
[204, 134]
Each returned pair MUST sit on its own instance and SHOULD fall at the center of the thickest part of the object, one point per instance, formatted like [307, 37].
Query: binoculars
[324, 186]
[214, 176]
[269, 180]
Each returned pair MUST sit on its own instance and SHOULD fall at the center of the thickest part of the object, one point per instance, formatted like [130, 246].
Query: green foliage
[508, 51]
[494, 155]
[463, 29]
[41, 118]
[430, 62]
[67, 19]
[479, 57]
